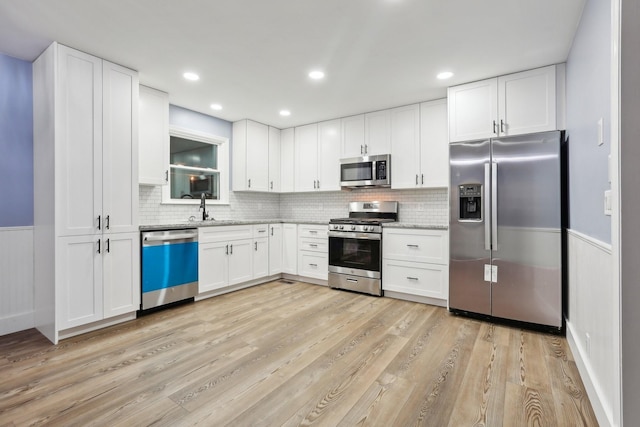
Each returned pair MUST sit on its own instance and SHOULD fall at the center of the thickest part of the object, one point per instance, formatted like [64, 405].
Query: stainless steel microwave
[366, 171]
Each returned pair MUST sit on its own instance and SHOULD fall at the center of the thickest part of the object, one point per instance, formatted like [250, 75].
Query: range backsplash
[425, 207]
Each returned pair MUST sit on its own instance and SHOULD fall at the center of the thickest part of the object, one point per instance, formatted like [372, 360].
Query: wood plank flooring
[294, 354]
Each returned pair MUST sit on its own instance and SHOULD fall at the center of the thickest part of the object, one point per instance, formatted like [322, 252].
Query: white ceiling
[253, 56]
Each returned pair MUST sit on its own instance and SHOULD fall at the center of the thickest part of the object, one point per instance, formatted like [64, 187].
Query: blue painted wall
[193, 120]
[16, 142]
[588, 99]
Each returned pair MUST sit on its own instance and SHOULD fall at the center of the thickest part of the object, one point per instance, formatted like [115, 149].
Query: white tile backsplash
[424, 207]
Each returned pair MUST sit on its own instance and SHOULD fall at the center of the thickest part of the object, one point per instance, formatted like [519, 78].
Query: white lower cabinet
[224, 256]
[260, 248]
[416, 262]
[313, 255]
[275, 249]
[99, 277]
[290, 248]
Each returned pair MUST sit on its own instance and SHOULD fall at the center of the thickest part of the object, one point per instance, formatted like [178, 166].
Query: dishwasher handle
[191, 235]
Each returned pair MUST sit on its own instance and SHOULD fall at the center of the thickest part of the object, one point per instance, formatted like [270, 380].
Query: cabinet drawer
[428, 280]
[306, 230]
[416, 245]
[260, 230]
[313, 245]
[312, 264]
[224, 233]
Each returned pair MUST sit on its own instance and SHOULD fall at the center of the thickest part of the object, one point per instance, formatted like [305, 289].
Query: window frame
[223, 165]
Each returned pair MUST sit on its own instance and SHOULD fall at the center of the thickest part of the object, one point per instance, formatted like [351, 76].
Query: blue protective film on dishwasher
[164, 266]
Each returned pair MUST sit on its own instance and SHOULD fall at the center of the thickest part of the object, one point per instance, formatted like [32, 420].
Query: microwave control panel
[381, 169]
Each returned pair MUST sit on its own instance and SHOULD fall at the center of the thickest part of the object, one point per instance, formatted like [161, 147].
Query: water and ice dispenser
[470, 199]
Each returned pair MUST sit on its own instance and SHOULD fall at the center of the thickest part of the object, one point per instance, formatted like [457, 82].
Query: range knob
[353, 227]
[342, 227]
[336, 226]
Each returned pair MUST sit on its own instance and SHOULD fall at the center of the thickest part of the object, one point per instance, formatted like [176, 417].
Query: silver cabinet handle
[501, 126]
[361, 149]
[262, 231]
[486, 207]
[230, 249]
[255, 245]
[249, 183]
[108, 248]
[166, 175]
[313, 245]
[318, 184]
[272, 231]
[99, 246]
[494, 206]
[495, 127]
[352, 280]
[107, 222]
[366, 148]
[314, 184]
[272, 185]
[412, 278]
[422, 179]
[226, 251]
[412, 245]
[313, 231]
[99, 222]
[313, 265]
[416, 179]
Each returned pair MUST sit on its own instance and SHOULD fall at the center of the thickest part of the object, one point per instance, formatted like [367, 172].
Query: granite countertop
[415, 226]
[223, 222]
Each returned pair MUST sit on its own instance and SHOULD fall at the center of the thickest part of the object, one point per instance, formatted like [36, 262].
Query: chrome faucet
[203, 206]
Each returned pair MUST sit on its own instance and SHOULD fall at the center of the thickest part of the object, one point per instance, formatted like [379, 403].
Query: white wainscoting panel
[591, 323]
[16, 279]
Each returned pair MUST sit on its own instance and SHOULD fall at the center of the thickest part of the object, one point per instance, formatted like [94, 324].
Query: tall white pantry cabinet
[86, 238]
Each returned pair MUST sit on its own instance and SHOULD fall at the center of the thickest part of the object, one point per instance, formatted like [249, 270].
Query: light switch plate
[494, 273]
[487, 273]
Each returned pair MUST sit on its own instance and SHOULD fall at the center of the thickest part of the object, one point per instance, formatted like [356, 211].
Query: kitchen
[594, 316]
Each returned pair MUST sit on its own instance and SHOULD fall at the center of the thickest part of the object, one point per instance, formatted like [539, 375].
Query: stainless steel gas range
[355, 247]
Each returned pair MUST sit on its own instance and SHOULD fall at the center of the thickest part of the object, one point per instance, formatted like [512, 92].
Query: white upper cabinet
[405, 152]
[153, 137]
[377, 133]
[352, 136]
[250, 156]
[420, 148]
[306, 154]
[508, 105]
[287, 160]
[329, 156]
[274, 159]
[434, 144]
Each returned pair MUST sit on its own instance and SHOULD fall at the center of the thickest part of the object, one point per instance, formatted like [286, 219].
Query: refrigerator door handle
[494, 205]
[486, 207]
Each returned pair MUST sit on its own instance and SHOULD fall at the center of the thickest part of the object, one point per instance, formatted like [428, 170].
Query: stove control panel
[356, 228]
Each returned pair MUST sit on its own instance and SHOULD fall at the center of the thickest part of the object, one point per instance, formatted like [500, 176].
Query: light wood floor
[294, 354]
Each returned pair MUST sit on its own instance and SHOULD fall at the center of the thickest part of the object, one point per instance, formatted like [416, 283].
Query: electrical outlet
[607, 202]
[487, 273]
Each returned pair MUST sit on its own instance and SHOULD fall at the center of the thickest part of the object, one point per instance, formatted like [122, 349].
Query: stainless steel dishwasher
[169, 266]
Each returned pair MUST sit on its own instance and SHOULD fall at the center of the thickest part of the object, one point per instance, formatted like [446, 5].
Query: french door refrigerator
[506, 228]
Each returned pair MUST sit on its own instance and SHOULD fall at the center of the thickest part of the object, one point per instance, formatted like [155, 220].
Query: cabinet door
[473, 110]
[527, 101]
[78, 150]
[212, 266]
[287, 161]
[353, 136]
[153, 139]
[290, 248]
[121, 273]
[405, 140]
[120, 149]
[377, 133]
[434, 146]
[329, 155]
[306, 152]
[79, 281]
[240, 261]
[275, 249]
[260, 258]
[274, 159]
[257, 156]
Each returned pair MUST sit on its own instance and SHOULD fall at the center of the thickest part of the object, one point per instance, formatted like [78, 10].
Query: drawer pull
[313, 232]
[412, 278]
[352, 280]
[262, 231]
[313, 265]
[412, 246]
[313, 245]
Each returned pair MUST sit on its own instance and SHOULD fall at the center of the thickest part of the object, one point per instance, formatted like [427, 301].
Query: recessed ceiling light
[316, 75]
[445, 75]
[285, 113]
[191, 76]
[216, 107]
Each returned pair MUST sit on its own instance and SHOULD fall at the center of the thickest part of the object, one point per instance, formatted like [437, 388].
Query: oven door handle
[354, 235]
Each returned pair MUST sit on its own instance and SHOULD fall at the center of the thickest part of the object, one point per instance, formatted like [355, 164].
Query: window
[198, 164]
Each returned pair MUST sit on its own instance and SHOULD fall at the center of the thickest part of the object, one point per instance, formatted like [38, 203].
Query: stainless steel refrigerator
[506, 228]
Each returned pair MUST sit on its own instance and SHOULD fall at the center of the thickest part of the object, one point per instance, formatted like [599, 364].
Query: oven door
[356, 254]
